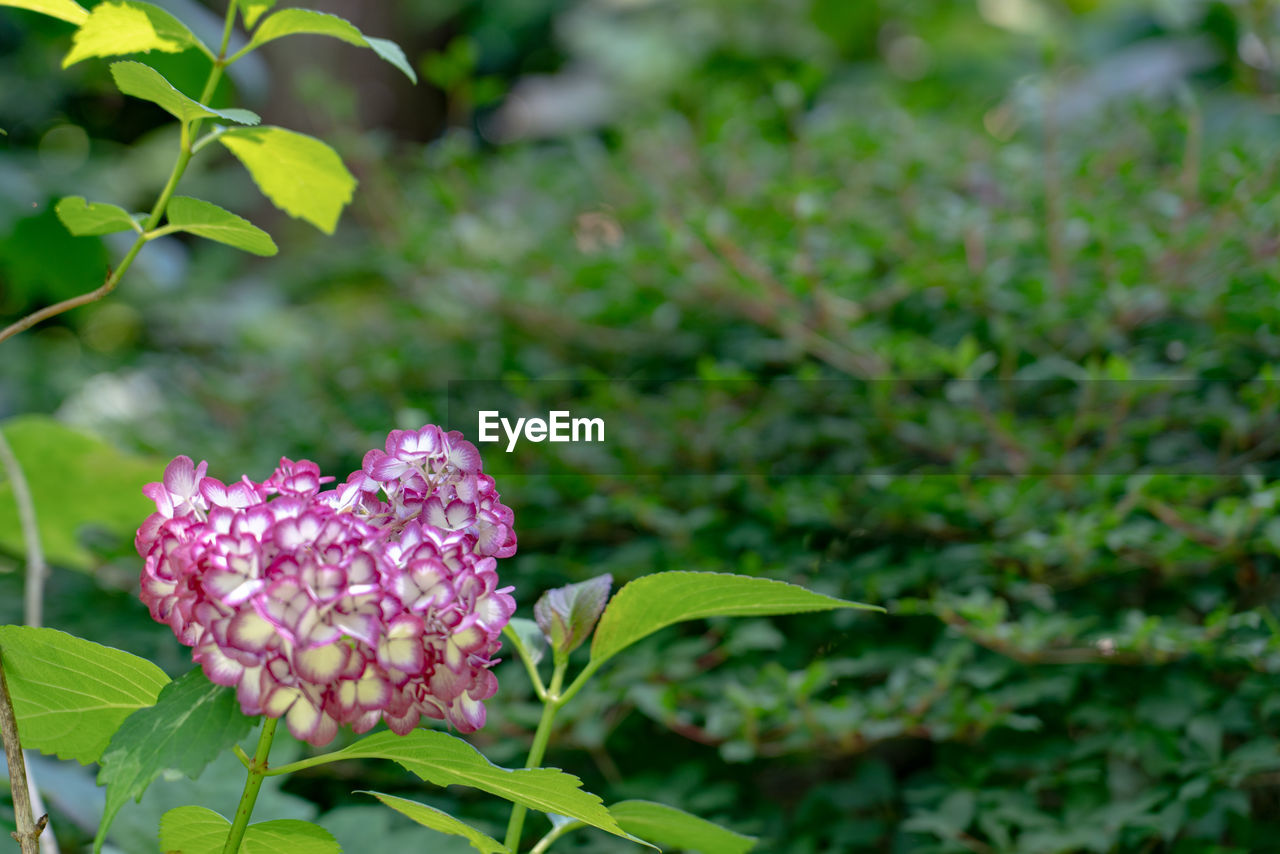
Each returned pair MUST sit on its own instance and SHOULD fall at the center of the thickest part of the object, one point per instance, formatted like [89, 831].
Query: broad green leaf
[192, 721]
[67, 10]
[193, 830]
[252, 10]
[76, 480]
[143, 81]
[197, 830]
[207, 220]
[289, 22]
[435, 819]
[118, 27]
[444, 760]
[70, 694]
[566, 615]
[91, 218]
[300, 174]
[659, 600]
[664, 825]
[288, 835]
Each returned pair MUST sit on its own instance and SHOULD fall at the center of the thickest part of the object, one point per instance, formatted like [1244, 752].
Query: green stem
[303, 764]
[551, 705]
[552, 835]
[529, 666]
[189, 132]
[257, 773]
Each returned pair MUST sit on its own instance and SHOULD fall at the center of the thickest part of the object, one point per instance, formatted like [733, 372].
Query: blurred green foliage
[772, 189]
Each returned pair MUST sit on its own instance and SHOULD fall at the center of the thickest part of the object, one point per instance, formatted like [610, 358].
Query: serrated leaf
[117, 27]
[207, 220]
[444, 760]
[143, 81]
[78, 480]
[429, 816]
[192, 721]
[659, 600]
[197, 830]
[70, 694]
[66, 10]
[252, 10]
[664, 825]
[84, 218]
[300, 174]
[289, 22]
[566, 615]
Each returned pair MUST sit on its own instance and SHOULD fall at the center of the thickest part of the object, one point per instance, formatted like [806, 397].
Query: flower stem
[257, 773]
[551, 705]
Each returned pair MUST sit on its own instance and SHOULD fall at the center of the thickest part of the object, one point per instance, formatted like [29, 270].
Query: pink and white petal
[247, 630]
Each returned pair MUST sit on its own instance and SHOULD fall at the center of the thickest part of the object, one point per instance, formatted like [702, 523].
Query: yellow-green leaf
[300, 174]
[67, 10]
[289, 22]
[117, 27]
[143, 81]
[209, 221]
[69, 694]
[659, 600]
[92, 218]
[76, 480]
[197, 830]
[664, 825]
[252, 10]
[429, 816]
[444, 760]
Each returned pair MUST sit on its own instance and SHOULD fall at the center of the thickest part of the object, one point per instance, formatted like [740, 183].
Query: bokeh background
[974, 193]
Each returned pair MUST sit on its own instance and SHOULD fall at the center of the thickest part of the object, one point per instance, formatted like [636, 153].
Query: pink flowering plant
[376, 604]
[375, 601]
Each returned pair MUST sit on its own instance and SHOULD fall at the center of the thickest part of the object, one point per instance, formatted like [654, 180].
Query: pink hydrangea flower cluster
[378, 600]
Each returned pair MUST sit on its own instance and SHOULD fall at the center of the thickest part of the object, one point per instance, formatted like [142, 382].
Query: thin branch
[33, 605]
[28, 832]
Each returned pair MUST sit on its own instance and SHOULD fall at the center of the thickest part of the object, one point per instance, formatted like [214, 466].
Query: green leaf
[207, 220]
[288, 22]
[67, 10]
[291, 835]
[91, 218]
[444, 760]
[193, 830]
[664, 825]
[192, 721]
[300, 174]
[566, 615]
[197, 830]
[252, 10]
[435, 819]
[127, 26]
[70, 694]
[76, 480]
[659, 600]
[143, 81]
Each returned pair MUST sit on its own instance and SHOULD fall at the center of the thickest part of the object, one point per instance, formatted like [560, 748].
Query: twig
[66, 305]
[33, 605]
[34, 597]
[28, 832]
